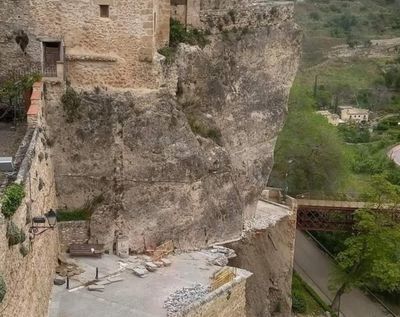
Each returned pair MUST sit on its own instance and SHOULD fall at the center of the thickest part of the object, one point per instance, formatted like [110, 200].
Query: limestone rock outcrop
[186, 162]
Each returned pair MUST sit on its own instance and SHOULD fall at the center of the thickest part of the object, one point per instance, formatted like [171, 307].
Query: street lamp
[39, 223]
[286, 176]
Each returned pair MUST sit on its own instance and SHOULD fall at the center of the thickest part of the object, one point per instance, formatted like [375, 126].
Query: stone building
[97, 42]
[333, 118]
[349, 113]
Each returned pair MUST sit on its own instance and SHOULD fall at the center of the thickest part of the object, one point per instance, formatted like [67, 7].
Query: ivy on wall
[11, 200]
[14, 234]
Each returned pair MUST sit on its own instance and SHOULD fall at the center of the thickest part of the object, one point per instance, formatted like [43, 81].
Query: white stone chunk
[115, 279]
[151, 267]
[140, 271]
[166, 262]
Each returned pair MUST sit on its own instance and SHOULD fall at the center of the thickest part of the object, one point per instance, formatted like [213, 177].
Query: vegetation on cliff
[71, 101]
[14, 234]
[181, 34]
[82, 213]
[11, 199]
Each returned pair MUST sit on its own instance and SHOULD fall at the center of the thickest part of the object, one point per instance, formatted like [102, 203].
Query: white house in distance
[349, 113]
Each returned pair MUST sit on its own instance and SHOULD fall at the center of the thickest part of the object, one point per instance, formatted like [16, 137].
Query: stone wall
[72, 232]
[29, 279]
[227, 301]
[117, 51]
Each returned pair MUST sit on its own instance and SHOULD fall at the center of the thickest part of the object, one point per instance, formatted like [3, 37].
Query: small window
[104, 11]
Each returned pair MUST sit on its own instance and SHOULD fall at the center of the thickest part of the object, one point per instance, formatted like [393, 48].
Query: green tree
[309, 155]
[371, 255]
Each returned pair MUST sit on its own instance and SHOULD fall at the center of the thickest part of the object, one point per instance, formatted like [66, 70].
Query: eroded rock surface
[186, 163]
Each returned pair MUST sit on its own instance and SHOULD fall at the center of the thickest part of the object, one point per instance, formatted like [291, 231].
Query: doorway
[51, 55]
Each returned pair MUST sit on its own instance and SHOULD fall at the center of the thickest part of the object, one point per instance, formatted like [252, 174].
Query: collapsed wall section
[267, 250]
[28, 267]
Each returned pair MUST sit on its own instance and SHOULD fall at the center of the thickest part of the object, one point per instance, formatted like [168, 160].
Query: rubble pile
[177, 301]
[219, 255]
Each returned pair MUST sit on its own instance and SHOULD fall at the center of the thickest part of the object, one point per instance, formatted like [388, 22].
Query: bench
[95, 250]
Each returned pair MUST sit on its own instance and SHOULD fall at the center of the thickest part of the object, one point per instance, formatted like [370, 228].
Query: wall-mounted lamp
[39, 223]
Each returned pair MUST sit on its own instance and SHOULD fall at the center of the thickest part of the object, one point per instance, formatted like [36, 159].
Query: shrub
[14, 234]
[355, 133]
[299, 303]
[3, 288]
[192, 36]
[73, 215]
[342, 24]
[179, 34]
[315, 16]
[334, 8]
[201, 128]
[168, 52]
[12, 199]
[71, 101]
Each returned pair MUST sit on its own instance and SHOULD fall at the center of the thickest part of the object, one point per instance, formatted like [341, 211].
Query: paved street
[314, 266]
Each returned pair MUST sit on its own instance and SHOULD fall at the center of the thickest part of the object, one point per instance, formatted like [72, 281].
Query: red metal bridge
[330, 215]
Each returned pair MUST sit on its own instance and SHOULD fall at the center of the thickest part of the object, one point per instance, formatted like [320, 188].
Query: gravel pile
[184, 297]
[260, 222]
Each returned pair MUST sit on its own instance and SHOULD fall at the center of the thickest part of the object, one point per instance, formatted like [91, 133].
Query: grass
[73, 215]
[314, 305]
[357, 74]
[318, 17]
[321, 19]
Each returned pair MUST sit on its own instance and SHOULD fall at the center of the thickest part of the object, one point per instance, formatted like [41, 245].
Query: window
[104, 11]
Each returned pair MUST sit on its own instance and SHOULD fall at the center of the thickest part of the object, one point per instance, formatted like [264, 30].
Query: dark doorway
[52, 54]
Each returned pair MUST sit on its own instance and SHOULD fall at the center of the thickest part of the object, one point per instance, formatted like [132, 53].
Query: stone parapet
[35, 109]
[28, 267]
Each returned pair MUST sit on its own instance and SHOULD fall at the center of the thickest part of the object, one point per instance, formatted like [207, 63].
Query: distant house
[349, 113]
[333, 118]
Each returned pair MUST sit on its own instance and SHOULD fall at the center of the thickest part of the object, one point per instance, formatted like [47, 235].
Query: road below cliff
[315, 267]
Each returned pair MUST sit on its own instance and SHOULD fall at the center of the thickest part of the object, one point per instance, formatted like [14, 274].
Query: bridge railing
[347, 196]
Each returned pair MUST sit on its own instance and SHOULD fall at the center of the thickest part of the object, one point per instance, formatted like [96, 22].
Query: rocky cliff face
[186, 162]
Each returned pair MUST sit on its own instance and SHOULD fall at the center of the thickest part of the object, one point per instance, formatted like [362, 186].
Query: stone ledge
[90, 58]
